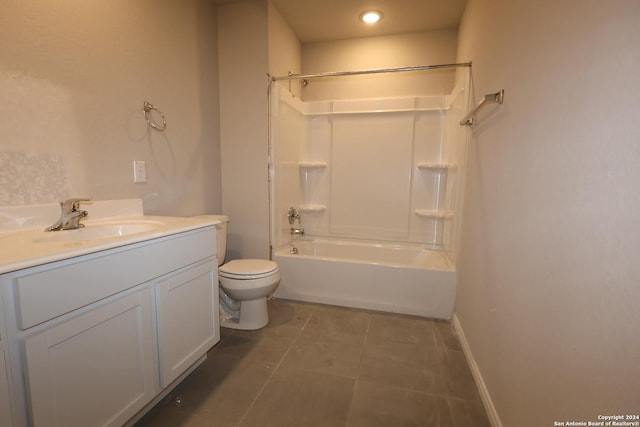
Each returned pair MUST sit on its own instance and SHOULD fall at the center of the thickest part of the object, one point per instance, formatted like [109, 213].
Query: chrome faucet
[293, 215]
[299, 231]
[70, 215]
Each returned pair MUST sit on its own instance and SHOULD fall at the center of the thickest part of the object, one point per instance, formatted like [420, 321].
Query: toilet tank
[221, 235]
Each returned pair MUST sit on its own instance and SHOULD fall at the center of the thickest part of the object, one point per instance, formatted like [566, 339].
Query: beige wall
[548, 273]
[73, 78]
[402, 50]
[243, 50]
[285, 51]
[254, 40]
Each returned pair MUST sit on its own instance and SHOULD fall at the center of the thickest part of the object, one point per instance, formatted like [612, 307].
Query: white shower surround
[388, 170]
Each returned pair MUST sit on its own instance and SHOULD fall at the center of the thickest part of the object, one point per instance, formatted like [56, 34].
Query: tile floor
[318, 365]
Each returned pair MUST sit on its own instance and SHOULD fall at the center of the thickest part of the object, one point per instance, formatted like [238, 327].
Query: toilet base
[253, 315]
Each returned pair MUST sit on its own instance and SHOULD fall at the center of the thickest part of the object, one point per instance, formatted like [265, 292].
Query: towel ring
[148, 108]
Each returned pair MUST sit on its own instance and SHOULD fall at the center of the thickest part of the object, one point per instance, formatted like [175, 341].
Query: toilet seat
[248, 269]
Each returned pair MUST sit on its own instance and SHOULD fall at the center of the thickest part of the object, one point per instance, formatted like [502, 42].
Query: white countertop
[24, 243]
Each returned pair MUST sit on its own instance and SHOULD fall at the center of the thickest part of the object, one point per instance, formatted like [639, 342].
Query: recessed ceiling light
[370, 16]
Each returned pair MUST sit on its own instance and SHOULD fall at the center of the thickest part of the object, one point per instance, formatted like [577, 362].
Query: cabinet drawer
[45, 292]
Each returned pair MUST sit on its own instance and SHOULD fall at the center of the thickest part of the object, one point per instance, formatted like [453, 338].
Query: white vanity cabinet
[94, 339]
[187, 318]
[95, 369]
[5, 402]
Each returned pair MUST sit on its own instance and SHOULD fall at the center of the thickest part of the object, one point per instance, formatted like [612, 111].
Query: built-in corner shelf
[311, 172]
[424, 213]
[312, 165]
[433, 166]
[312, 208]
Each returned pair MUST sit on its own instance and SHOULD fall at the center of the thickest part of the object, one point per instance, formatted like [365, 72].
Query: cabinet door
[95, 369]
[188, 323]
[5, 404]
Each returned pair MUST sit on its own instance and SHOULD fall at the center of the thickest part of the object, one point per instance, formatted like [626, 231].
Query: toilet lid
[247, 268]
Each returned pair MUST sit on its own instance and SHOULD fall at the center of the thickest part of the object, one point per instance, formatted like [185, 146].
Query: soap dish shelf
[424, 213]
[312, 208]
[312, 165]
[433, 166]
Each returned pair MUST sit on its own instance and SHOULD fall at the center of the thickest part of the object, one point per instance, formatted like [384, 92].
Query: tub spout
[298, 231]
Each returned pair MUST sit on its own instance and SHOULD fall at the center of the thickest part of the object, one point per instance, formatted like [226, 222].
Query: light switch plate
[139, 171]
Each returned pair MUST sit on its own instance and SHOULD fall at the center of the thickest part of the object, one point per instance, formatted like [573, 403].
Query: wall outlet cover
[139, 171]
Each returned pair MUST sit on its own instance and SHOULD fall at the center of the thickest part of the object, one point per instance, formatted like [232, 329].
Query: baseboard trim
[494, 419]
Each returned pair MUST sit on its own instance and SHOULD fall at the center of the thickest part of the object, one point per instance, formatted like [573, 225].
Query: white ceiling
[323, 20]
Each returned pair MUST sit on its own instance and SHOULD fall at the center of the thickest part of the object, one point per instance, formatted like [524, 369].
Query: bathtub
[398, 278]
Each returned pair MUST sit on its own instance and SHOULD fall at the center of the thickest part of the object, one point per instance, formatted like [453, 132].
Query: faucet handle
[72, 205]
[292, 215]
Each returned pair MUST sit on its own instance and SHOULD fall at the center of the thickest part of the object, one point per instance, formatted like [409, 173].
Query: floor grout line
[255, 399]
[357, 379]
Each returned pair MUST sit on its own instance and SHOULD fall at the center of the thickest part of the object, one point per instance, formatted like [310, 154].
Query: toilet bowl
[248, 282]
[245, 285]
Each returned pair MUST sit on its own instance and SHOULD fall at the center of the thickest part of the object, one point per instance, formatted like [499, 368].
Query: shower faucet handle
[292, 215]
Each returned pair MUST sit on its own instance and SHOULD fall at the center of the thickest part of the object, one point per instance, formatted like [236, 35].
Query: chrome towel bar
[488, 99]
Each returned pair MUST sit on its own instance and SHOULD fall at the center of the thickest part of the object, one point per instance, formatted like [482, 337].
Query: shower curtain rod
[373, 71]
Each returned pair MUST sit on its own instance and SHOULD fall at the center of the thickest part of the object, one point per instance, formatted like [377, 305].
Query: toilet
[245, 285]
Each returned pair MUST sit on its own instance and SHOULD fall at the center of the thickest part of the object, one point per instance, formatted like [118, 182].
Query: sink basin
[98, 231]
[31, 245]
